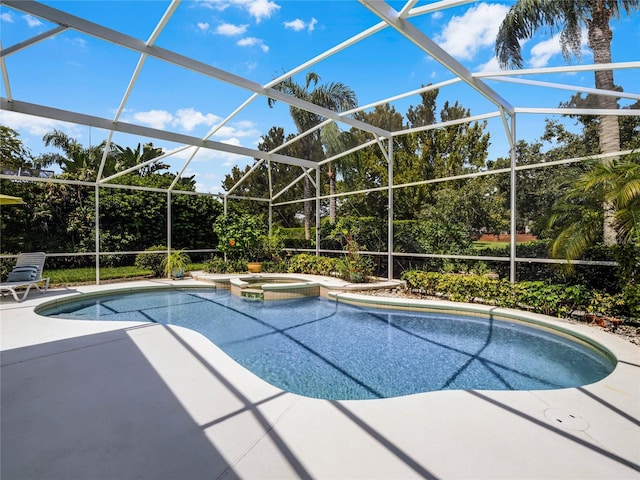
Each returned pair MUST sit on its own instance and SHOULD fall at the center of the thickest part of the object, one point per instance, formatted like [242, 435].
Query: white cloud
[231, 30]
[491, 66]
[295, 25]
[253, 42]
[214, 4]
[32, 21]
[203, 26]
[154, 118]
[298, 24]
[79, 42]
[6, 17]
[188, 119]
[237, 130]
[542, 52]
[465, 35]
[36, 126]
[258, 9]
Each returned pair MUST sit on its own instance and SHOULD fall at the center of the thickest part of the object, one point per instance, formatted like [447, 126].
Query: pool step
[252, 293]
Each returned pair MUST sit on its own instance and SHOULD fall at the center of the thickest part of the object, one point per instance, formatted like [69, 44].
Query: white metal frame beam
[563, 69]
[98, 122]
[573, 88]
[32, 41]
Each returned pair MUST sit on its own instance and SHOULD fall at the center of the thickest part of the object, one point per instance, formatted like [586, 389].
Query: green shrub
[558, 300]
[628, 274]
[152, 261]
[240, 236]
[6, 265]
[550, 299]
[274, 266]
[218, 265]
[310, 264]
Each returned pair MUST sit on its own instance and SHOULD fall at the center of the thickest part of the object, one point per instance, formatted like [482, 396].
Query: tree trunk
[608, 128]
[332, 191]
[307, 208]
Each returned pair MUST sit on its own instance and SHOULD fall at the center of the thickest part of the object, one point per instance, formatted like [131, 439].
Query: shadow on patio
[95, 406]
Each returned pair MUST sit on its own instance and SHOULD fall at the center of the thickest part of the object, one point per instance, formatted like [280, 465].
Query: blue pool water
[325, 349]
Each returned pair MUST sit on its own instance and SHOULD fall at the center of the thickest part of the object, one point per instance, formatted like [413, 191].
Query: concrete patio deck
[109, 400]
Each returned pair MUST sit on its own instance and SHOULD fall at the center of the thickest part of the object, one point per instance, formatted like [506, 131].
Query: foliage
[61, 218]
[175, 263]
[275, 266]
[256, 184]
[219, 265]
[439, 236]
[628, 273]
[272, 245]
[311, 264]
[240, 236]
[6, 265]
[577, 216]
[540, 297]
[354, 267]
[152, 261]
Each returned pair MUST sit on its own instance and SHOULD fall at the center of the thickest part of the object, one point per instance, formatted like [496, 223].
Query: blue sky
[258, 40]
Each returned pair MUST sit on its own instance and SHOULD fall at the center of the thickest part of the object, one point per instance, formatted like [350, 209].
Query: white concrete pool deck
[107, 400]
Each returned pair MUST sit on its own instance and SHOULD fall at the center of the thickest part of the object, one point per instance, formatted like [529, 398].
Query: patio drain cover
[567, 420]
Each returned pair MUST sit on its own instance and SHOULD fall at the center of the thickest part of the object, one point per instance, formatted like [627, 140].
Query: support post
[169, 225]
[317, 211]
[512, 189]
[390, 212]
[97, 206]
[270, 196]
[224, 210]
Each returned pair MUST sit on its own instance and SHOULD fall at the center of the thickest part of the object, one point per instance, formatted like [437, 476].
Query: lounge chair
[26, 273]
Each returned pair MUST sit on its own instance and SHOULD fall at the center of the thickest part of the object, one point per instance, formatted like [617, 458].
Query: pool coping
[254, 430]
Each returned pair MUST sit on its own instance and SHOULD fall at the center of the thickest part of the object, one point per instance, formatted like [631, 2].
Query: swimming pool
[327, 349]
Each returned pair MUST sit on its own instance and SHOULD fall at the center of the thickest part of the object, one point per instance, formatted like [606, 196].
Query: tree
[527, 16]
[78, 162]
[126, 157]
[577, 218]
[436, 153]
[61, 217]
[334, 141]
[334, 96]
[257, 184]
[13, 154]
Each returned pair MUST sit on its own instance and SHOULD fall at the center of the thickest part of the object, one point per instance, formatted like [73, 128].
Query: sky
[259, 40]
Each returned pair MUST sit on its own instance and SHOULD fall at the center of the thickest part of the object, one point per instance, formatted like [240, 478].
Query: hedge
[550, 299]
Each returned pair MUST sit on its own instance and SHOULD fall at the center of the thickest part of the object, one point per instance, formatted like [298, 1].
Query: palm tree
[334, 96]
[578, 214]
[126, 157]
[527, 16]
[77, 161]
[334, 141]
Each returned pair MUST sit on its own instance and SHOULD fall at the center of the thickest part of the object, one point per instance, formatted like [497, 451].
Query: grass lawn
[71, 276]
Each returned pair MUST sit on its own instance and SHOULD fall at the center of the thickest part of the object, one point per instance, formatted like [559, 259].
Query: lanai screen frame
[397, 20]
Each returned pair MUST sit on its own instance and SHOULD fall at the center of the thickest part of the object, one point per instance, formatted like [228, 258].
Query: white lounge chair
[26, 273]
